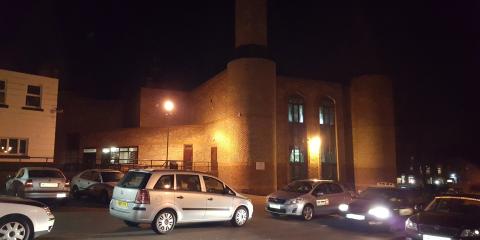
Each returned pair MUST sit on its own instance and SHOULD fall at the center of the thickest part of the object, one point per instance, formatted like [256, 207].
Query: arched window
[295, 109]
[328, 155]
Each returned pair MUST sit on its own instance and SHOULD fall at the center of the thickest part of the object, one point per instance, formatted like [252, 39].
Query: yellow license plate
[122, 204]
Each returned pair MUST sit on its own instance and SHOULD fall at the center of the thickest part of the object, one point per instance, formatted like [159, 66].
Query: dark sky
[429, 48]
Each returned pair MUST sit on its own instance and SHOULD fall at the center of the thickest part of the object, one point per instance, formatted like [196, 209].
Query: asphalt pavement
[86, 219]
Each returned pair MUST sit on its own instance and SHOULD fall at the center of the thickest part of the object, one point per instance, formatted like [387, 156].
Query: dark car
[447, 217]
[384, 206]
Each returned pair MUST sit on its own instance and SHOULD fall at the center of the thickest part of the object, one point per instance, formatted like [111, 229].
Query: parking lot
[86, 219]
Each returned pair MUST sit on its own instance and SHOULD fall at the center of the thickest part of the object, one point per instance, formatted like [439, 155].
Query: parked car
[39, 182]
[307, 198]
[23, 218]
[447, 217]
[384, 206]
[164, 198]
[97, 183]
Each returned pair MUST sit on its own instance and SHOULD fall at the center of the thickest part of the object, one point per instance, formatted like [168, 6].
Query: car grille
[438, 230]
[276, 210]
[276, 200]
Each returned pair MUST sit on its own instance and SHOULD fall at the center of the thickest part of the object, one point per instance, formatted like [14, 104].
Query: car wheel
[240, 217]
[131, 224]
[75, 192]
[307, 213]
[15, 228]
[164, 222]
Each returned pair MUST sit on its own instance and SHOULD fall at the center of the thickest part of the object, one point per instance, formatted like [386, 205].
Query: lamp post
[168, 106]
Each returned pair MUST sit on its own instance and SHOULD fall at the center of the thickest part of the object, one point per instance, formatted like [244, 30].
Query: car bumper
[285, 209]
[138, 214]
[44, 228]
[49, 194]
[363, 218]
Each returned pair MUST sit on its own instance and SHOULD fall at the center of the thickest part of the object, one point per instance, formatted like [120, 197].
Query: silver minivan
[307, 198]
[164, 198]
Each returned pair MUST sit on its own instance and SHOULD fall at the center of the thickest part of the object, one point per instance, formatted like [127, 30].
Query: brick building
[258, 130]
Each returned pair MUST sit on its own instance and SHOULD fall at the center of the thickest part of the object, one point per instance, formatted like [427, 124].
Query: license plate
[355, 216]
[431, 237]
[48, 185]
[275, 206]
[122, 204]
[61, 195]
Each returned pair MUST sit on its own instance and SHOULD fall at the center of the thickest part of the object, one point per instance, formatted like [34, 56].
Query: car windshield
[390, 194]
[299, 186]
[45, 174]
[111, 176]
[455, 205]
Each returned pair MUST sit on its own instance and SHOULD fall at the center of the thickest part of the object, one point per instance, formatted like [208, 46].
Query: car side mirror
[9, 176]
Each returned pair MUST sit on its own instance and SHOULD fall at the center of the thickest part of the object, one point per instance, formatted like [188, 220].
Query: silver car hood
[286, 195]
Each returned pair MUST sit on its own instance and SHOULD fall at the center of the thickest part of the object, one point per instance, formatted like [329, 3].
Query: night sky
[429, 48]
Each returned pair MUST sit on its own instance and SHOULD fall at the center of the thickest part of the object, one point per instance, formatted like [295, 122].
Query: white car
[24, 219]
[39, 182]
[164, 198]
[97, 183]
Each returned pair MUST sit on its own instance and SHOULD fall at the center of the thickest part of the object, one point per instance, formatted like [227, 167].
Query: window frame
[3, 150]
[172, 188]
[4, 91]
[296, 110]
[39, 95]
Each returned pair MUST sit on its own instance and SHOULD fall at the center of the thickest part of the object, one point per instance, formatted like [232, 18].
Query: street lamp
[168, 106]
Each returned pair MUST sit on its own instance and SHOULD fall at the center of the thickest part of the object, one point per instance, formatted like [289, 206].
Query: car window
[111, 176]
[95, 177]
[229, 191]
[321, 188]
[164, 183]
[45, 174]
[20, 173]
[335, 188]
[86, 175]
[134, 180]
[212, 185]
[188, 183]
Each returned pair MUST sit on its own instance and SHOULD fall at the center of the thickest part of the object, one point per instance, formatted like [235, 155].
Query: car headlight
[48, 212]
[294, 201]
[470, 233]
[343, 207]
[409, 224]
[380, 212]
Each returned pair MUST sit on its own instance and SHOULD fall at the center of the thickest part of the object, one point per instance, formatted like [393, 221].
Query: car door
[189, 197]
[83, 179]
[336, 196]
[219, 203]
[322, 202]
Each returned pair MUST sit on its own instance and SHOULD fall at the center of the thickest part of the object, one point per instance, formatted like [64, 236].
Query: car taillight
[67, 184]
[143, 197]
[29, 183]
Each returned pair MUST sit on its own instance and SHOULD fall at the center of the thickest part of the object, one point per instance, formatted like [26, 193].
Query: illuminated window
[13, 146]
[2, 91]
[295, 110]
[296, 155]
[328, 152]
[120, 155]
[327, 112]
[34, 98]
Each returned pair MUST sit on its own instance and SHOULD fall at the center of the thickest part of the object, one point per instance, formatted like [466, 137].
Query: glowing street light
[168, 105]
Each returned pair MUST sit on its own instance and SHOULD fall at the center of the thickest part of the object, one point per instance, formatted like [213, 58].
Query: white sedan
[24, 219]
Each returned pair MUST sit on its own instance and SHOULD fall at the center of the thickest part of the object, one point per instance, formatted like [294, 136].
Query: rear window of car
[135, 180]
[45, 174]
[111, 176]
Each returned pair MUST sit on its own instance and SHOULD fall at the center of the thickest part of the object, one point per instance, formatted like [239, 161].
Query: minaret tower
[252, 88]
